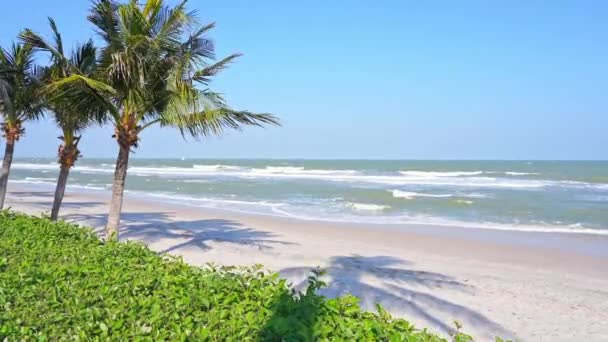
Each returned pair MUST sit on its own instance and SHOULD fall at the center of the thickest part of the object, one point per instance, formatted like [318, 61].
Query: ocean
[548, 196]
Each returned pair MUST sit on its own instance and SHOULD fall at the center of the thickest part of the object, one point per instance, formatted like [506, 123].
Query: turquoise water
[560, 196]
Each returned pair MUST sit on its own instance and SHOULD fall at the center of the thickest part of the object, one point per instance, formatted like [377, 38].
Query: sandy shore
[527, 286]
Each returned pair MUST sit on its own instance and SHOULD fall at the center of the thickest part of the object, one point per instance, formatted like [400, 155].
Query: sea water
[553, 196]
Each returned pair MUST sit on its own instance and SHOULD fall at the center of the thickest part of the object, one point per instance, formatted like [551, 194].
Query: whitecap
[419, 178]
[412, 195]
[40, 179]
[512, 173]
[216, 167]
[367, 206]
[440, 174]
[461, 201]
[300, 171]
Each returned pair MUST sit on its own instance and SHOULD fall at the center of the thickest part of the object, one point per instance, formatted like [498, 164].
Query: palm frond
[6, 103]
[105, 18]
[19, 84]
[170, 30]
[152, 8]
[213, 69]
[27, 36]
[215, 121]
[205, 113]
[57, 35]
[84, 58]
[83, 92]
[98, 86]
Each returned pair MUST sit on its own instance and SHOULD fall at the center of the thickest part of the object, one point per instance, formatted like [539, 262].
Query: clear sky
[384, 79]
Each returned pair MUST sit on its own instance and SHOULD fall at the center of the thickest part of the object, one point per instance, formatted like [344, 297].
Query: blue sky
[383, 79]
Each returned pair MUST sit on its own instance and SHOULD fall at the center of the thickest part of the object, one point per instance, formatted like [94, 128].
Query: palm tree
[72, 120]
[153, 61]
[19, 101]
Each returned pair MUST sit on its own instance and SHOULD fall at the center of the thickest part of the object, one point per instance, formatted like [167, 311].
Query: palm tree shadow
[32, 193]
[67, 204]
[152, 227]
[387, 281]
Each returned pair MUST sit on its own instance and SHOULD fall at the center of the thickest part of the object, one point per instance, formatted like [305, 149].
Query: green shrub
[60, 282]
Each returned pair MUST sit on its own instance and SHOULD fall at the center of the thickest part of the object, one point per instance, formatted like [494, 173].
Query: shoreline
[540, 285]
[592, 244]
[441, 223]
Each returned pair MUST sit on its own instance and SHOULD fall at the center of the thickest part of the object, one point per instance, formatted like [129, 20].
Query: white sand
[528, 286]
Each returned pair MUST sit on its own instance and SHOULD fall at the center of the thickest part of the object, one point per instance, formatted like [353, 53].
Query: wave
[184, 199]
[367, 206]
[576, 228]
[462, 179]
[216, 167]
[405, 180]
[53, 182]
[434, 174]
[286, 210]
[201, 181]
[411, 195]
[461, 201]
[32, 166]
[512, 173]
[298, 170]
[359, 212]
[475, 195]
[32, 181]
[40, 179]
[55, 167]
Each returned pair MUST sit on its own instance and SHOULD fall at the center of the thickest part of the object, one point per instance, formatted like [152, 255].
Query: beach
[294, 187]
[531, 286]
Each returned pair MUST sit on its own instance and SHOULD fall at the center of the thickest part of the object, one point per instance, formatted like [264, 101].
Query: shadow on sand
[44, 199]
[69, 204]
[32, 194]
[151, 227]
[388, 281]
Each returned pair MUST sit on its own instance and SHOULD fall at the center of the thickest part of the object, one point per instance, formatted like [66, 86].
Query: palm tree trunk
[6, 169]
[118, 187]
[64, 171]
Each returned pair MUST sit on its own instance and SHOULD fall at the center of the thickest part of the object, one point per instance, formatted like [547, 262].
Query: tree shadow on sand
[387, 281]
[31, 193]
[43, 199]
[151, 227]
[65, 204]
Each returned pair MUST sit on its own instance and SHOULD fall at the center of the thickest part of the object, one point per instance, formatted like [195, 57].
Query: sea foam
[367, 206]
[433, 174]
[411, 195]
[463, 179]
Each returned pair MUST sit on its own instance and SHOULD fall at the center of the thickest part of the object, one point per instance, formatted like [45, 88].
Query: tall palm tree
[72, 120]
[19, 101]
[154, 60]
